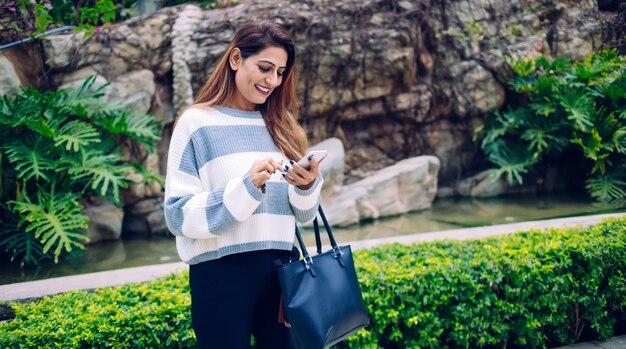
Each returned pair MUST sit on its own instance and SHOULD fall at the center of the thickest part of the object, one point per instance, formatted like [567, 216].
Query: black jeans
[235, 296]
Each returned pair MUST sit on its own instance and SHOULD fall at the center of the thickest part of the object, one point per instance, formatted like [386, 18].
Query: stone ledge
[40, 288]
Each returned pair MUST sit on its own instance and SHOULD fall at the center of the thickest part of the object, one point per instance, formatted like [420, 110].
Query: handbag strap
[331, 237]
[318, 240]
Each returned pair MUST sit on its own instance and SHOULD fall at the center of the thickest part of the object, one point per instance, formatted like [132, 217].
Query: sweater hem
[240, 248]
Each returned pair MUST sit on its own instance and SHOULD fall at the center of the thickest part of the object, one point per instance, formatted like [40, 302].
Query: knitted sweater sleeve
[305, 203]
[199, 211]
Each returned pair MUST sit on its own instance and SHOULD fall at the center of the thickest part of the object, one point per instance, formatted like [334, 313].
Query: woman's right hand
[262, 170]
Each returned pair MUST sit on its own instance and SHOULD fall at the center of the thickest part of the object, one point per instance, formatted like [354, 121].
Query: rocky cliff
[391, 79]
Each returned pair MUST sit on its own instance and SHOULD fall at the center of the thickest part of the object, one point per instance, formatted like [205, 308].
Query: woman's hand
[299, 176]
[262, 170]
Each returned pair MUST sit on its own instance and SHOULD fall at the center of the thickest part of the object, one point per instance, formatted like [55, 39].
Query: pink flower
[47, 5]
[97, 30]
[538, 45]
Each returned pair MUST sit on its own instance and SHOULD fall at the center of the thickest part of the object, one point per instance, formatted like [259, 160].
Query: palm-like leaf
[619, 140]
[142, 128]
[30, 156]
[514, 163]
[102, 173]
[76, 135]
[579, 108]
[606, 187]
[55, 219]
[21, 245]
[591, 144]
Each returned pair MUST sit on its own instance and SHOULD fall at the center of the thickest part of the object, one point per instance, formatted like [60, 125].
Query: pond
[445, 214]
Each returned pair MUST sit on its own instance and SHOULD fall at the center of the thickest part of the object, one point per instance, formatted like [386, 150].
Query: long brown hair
[280, 110]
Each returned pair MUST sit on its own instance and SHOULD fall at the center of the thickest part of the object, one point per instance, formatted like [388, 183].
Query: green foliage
[529, 289]
[90, 16]
[87, 16]
[567, 105]
[57, 147]
[148, 315]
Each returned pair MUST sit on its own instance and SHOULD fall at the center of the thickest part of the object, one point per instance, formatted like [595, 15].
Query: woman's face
[257, 76]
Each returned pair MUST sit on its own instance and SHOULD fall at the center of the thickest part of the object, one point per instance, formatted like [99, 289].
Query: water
[445, 214]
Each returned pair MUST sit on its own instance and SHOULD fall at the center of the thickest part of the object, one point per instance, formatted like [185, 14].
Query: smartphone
[318, 155]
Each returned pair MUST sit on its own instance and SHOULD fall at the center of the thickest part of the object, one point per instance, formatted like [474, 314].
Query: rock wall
[391, 79]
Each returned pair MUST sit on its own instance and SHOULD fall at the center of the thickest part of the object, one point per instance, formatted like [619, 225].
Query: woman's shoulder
[197, 114]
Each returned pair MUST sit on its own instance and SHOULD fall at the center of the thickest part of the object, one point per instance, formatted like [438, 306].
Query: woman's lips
[262, 90]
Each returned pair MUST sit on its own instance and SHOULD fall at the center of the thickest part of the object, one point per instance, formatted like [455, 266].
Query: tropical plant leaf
[102, 172]
[140, 127]
[619, 140]
[545, 107]
[29, 155]
[76, 135]
[55, 219]
[579, 108]
[606, 187]
[512, 162]
[21, 245]
[591, 143]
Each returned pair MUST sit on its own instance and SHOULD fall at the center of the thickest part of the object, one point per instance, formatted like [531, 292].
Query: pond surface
[445, 214]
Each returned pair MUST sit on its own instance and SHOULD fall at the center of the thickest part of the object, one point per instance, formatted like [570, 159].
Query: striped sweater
[211, 204]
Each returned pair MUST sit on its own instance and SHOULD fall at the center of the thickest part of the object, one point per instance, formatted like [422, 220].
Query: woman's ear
[235, 59]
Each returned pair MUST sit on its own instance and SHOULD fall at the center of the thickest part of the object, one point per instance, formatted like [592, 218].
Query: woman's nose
[272, 80]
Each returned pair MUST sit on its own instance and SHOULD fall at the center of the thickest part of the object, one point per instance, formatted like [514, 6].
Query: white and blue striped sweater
[211, 204]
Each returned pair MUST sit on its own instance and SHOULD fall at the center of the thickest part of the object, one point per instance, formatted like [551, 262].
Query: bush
[56, 148]
[529, 289]
[566, 107]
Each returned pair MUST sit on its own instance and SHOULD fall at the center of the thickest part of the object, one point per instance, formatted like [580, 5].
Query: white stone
[58, 50]
[135, 90]
[9, 81]
[331, 168]
[409, 185]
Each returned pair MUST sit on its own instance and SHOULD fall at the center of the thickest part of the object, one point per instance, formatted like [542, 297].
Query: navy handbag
[322, 302]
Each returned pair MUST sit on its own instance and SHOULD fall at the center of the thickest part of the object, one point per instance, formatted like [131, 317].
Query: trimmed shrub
[528, 289]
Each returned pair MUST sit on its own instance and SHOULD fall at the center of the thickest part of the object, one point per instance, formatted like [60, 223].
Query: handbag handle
[307, 258]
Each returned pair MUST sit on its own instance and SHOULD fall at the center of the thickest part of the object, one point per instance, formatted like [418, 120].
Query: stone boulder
[406, 186]
[331, 168]
[145, 218]
[105, 222]
[135, 90]
[9, 81]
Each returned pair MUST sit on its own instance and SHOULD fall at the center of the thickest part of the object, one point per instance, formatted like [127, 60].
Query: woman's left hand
[301, 177]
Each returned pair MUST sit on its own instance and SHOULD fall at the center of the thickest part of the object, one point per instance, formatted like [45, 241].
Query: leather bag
[322, 302]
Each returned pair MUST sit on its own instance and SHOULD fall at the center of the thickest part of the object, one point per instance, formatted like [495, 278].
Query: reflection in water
[445, 214]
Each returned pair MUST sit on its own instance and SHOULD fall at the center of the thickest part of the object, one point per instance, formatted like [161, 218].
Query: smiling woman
[224, 199]
[257, 76]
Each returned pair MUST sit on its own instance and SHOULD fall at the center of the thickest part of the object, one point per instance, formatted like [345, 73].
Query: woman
[231, 198]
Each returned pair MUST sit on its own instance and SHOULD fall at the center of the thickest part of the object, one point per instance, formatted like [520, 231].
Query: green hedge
[529, 289]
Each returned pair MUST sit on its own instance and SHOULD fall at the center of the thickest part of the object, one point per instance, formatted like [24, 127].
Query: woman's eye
[264, 69]
[281, 73]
